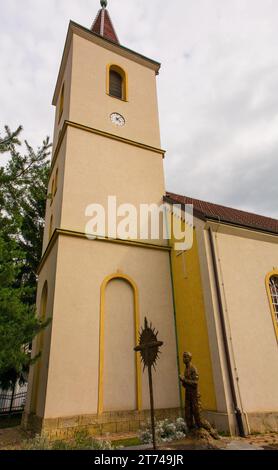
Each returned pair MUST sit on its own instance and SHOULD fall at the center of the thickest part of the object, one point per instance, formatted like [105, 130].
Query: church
[217, 299]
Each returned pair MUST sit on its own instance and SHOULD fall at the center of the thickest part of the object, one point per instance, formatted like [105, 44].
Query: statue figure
[190, 381]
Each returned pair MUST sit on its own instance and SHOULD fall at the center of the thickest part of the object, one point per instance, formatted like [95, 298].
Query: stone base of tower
[107, 423]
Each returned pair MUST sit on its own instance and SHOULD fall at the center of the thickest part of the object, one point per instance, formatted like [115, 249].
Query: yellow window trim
[267, 279]
[124, 76]
[101, 341]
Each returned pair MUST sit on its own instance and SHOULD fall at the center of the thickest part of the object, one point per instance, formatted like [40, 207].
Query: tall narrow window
[61, 104]
[39, 349]
[116, 85]
[117, 82]
[56, 181]
[50, 228]
[52, 191]
[273, 285]
[272, 290]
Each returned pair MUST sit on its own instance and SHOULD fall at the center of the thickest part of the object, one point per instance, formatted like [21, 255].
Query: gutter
[237, 411]
[211, 218]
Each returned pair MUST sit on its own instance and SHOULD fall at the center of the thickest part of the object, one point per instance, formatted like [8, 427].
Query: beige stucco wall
[48, 275]
[74, 359]
[221, 383]
[98, 167]
[91, 106]
[54, 207]
[67, 82]
[244, 260]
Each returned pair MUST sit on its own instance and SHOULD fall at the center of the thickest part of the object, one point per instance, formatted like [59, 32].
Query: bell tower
[97, 290]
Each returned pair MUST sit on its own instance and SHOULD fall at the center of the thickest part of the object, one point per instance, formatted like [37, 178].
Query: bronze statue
[190, 381]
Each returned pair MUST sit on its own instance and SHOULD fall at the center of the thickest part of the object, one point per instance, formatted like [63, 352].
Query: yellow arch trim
[124, 76]
[39, 348]
[267, 279]
[130, 281]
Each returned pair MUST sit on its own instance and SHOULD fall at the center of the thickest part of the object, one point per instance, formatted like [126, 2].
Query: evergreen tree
[9, 138]
[23, 189]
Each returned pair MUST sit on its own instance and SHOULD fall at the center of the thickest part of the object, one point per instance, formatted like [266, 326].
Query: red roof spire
[103, 25]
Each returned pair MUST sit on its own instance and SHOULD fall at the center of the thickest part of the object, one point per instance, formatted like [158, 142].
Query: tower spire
[103, 25]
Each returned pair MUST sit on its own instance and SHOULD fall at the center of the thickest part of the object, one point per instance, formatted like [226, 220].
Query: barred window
[273, 285]
[116, 84]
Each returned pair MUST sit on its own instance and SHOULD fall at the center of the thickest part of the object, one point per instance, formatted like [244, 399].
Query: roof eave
[209, 218]
[77, 28]
[240, 225]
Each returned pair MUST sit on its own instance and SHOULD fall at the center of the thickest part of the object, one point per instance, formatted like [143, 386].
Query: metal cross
[149, 350]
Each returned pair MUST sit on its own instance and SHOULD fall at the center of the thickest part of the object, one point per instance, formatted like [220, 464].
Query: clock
[117, 119]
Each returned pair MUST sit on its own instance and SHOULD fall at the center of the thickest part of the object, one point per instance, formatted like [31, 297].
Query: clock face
[117, 119]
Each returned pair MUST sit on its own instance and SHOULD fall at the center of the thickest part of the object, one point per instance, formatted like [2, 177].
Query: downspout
[237, 411]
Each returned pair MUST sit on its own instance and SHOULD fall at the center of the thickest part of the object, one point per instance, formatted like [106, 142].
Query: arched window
[39, 349]
[104, 312]
[61, 103]
[52, 191]
[272, 289]
[273, 285]
[56, 181]
[50, 228]
[117, 82]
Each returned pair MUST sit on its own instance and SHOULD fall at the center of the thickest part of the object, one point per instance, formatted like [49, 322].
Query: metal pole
[152, 405]
[12, 399]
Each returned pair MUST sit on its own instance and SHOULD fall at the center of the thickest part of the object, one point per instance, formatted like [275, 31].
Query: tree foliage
[10, 138]
[23, 189]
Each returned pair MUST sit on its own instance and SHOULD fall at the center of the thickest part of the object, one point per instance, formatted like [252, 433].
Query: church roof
[209, 211]
[103, 25]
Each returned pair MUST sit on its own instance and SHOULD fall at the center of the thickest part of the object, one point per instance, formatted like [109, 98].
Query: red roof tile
[103, 26]
[208, 210]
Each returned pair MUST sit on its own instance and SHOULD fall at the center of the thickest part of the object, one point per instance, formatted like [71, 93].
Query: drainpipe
[237, 410]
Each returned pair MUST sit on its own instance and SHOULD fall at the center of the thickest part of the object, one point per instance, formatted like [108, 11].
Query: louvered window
[115, 84]
[273, 284]
[61, 104]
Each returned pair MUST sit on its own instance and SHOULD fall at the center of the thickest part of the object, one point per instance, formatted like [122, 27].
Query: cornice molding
[72, 233]
[75, 28]
[108, 135]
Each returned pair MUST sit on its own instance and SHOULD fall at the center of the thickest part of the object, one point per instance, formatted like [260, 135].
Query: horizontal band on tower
[108, 135]
[72, 233]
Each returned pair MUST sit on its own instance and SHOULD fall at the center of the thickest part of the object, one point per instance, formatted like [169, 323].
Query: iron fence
[12, 403]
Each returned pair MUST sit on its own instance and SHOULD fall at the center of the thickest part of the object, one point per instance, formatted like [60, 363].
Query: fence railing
[12, 403]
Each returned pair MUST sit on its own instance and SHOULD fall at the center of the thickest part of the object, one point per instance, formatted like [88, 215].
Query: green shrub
[165, 431]
[80, 441]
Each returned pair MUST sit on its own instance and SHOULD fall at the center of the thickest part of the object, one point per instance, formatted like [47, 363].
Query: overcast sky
[218, 87]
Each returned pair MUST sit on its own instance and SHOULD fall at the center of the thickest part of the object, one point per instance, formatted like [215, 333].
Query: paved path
[239, 445]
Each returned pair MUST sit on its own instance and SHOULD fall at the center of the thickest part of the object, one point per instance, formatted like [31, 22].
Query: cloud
[217, 88]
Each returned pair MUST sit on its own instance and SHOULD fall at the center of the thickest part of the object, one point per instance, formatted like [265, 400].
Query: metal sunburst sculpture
[149, 350]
